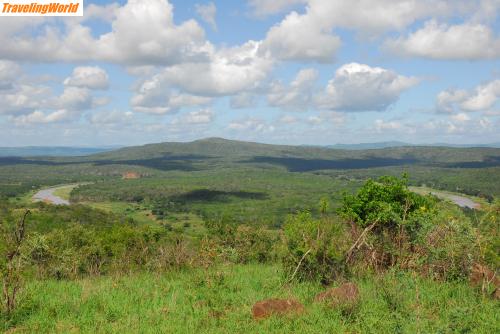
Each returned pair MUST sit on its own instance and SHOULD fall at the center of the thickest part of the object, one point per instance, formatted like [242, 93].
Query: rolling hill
[457, 169]
[299, 158]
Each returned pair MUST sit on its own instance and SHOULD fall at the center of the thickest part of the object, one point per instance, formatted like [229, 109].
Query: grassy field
[135, 211]
[219, 301]
[187, 223]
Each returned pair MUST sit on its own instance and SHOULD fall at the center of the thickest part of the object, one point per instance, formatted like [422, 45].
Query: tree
[12, 266]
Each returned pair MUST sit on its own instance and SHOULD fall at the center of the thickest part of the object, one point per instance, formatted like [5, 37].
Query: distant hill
[369, 146]
[219, 153]
[55, 151]
[209, 147]
[220, 147]
[456, 169]
[218, 150]
[388, 144]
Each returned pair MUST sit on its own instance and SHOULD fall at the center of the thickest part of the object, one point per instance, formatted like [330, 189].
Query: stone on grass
[266, 308]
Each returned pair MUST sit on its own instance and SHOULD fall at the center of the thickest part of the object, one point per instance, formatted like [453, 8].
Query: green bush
[242, 243]
[387, 202]
[314, 248]
[392, 217]
[255, 244]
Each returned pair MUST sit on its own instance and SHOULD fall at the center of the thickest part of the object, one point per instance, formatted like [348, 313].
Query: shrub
[387, 202]
[242, 243]
[255, 244]
[391, 216]
[314, 248]
[448, 247]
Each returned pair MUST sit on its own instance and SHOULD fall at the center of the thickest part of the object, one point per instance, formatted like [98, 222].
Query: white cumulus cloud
[143, 32]
[92, 77]
[301, 38]
[468, 41]
[359, 87]
[481, 98]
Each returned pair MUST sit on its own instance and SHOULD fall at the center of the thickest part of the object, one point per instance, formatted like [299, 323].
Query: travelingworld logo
[41, 8]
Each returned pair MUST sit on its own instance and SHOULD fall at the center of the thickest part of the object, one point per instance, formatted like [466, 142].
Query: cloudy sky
[281, 71]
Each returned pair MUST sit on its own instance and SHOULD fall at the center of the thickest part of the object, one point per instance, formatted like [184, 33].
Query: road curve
[461, 201]
[47, 195]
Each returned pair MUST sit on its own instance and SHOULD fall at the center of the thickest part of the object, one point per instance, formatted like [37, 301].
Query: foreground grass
[219, 301]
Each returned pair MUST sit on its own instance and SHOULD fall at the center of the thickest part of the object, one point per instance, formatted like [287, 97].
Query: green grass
[25, 199]
[186, 223]
[219, 301]
[135, 211]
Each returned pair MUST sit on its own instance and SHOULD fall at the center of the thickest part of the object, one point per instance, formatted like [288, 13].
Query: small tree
[12, 264]
[323, 205]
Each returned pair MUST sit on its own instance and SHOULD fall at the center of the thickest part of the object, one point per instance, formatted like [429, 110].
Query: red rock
[265, 308]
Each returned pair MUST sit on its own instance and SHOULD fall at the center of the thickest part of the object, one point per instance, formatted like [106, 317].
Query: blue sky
[284, 71]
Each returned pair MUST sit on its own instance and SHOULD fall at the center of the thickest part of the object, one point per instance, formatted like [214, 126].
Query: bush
[387, 202]
[314, 248]
[448, 247]
[255, 244]
[242, 243]
[391, 216]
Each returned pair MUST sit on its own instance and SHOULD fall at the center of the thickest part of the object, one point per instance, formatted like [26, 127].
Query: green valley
[183, 237]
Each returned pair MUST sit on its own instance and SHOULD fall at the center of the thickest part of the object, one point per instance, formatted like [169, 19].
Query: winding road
[461, 201]
[47, 195]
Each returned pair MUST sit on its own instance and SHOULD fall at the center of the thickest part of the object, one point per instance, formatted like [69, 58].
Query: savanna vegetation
[210, 228]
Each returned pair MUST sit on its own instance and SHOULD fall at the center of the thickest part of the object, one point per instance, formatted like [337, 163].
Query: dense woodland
[209, 228]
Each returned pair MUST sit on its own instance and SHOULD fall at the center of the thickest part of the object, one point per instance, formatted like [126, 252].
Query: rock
[347, 293]
[265, 308]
